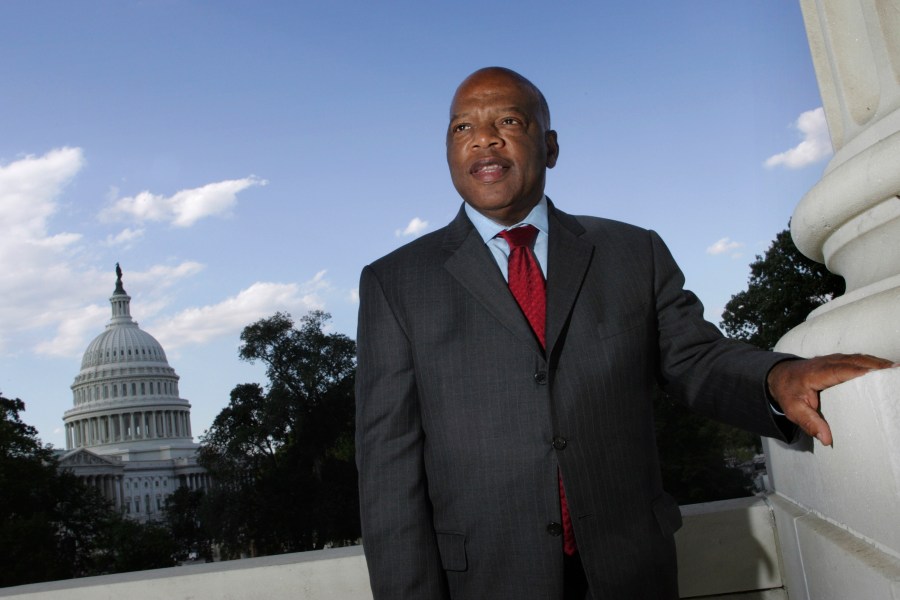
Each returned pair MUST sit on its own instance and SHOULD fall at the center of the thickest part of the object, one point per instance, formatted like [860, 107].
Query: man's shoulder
[421, 250]
[599, 228]
[600, 224]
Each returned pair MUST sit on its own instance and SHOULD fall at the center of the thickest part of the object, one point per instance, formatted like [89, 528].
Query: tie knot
[519, 236]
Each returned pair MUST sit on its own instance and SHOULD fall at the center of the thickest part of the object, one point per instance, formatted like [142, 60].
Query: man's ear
[552, 148]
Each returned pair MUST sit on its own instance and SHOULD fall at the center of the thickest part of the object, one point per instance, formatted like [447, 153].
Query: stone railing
[724, 548]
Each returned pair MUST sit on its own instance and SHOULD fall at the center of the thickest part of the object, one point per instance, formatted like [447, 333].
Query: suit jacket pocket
[452, 546]
[668, 515]
[622, 322]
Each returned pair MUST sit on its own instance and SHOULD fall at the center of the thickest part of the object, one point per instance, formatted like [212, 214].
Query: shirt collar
[489, 229]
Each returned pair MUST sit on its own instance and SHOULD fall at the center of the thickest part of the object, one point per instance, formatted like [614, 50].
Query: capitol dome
[126, 393]
[129, 432]
[122, 341]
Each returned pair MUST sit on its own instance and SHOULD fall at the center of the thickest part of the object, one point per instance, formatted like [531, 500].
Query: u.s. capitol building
[129, 433]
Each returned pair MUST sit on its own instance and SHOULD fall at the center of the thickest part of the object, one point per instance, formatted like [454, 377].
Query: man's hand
[795, 386]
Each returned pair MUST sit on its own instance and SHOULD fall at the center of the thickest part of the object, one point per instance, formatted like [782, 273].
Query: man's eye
[461, 127]
[510, 121]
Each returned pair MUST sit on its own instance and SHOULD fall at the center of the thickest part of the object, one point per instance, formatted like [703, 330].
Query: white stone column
[120, 492]
[837, 508]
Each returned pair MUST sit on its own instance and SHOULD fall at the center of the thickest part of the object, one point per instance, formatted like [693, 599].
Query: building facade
[128, 432]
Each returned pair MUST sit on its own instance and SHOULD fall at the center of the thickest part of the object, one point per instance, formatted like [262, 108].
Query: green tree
[183, 517]
[697, 454]
[282, 456]
[28, 495]
[784, 287]
[52, 526]
[132, 546]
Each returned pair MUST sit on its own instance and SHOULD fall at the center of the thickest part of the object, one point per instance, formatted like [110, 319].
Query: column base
[836, 507]
[866, 320]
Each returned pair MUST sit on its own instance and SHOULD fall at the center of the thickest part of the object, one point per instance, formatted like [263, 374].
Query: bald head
[498, 73]
[499, 144]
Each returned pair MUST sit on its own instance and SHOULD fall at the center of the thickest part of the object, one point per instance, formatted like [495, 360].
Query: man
[509, 452]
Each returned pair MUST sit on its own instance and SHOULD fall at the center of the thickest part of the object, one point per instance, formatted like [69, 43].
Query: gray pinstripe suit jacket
[458, 406]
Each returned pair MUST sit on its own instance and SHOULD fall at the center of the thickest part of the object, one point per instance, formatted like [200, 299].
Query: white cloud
[816, 144]
[723, 246]
[124, 237]
[50, 288]
[74, 327]
[28, 188]
[415, 228]
[162, 276]
[227, 318]
[36, 277]
[354, 296]
[75, 321]
[52, 301]
[184, 208]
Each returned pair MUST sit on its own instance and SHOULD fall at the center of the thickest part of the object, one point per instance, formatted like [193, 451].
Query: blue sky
[242, 158]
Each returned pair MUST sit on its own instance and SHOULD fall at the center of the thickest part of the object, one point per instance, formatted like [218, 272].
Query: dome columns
[128, 427]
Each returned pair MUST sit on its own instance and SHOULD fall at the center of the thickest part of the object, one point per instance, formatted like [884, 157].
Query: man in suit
[509, 452]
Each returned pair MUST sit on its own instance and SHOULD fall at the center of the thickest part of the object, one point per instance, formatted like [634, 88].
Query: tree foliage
[697, 454]
[186, 525]
[52, 526]
[784, 287]
[282, 456]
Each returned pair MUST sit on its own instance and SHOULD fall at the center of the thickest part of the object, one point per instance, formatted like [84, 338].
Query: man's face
[498, 145]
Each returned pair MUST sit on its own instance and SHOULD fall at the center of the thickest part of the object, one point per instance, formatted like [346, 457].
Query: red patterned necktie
[526, 282]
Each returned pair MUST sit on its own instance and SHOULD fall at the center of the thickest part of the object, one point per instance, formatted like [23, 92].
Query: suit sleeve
[398, 533]
[721, 378]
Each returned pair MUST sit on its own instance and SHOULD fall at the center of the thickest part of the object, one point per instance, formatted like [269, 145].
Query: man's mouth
[488, 170]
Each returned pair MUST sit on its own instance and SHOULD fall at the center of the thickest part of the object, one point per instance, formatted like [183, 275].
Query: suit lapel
[471, 263]
[568, 256]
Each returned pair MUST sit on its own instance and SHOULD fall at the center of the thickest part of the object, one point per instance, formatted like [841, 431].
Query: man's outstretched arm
[795, 386]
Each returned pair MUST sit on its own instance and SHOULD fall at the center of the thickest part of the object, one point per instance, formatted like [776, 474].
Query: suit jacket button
[554, 529]
[541, 377]
[560, 443]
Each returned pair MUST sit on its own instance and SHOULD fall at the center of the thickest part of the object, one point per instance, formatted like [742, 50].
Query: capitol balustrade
[726, 549]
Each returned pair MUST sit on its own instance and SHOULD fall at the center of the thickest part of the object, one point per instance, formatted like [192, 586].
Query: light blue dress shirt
[489, 229]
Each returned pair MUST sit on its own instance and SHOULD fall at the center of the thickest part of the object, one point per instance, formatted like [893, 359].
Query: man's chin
[503, 212]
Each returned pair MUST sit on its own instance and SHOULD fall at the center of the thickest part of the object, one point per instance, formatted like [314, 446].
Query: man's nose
[487, 136]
